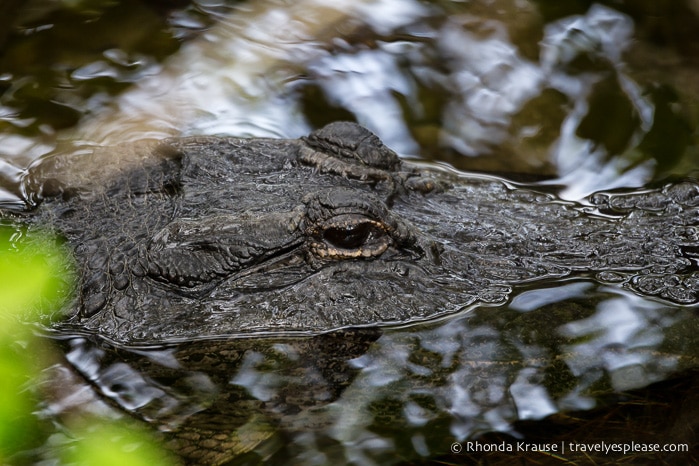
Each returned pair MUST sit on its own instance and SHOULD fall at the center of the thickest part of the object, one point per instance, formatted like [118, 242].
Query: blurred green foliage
[116, 444]
[35, 277]
[29, 279]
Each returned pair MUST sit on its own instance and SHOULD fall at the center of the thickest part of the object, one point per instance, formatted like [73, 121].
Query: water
[485, 87]
[377, 397]
[576, 99]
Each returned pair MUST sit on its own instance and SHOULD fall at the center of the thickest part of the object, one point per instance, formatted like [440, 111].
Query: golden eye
[351, 236]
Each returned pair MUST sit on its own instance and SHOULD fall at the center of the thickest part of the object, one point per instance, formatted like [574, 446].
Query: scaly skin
[202, 237]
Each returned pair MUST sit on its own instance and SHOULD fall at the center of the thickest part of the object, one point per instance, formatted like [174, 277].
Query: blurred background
[582, 95]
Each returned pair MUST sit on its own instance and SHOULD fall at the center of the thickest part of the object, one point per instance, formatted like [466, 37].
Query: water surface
[572, 99]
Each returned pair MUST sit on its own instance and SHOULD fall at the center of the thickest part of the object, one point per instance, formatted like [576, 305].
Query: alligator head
[205, 236]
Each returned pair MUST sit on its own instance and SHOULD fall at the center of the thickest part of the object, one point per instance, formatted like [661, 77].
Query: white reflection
[241, 78]
[263, 385]
[364, 84]
[132, 389]
[602, 30]
[127, 387]
[237, 78]
[605, 34]
[530, 397]
[231, 80]
[21, 150]
[491, 82]
[621, 337]
[384, 16]
[532, 300]
[10, 192]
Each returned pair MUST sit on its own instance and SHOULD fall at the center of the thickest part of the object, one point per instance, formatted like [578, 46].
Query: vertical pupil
[348, 237]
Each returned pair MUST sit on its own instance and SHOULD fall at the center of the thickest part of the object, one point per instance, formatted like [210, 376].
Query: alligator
[217, 236]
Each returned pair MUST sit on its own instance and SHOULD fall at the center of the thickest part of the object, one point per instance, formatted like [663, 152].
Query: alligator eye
[348, 236]
[351, 236]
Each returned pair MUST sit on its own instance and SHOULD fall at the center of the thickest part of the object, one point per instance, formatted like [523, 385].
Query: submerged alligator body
[209, 236]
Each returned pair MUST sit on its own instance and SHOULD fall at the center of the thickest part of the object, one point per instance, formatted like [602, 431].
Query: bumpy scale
[213, 236]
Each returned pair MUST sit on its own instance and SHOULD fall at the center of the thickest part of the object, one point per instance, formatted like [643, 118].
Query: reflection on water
[485, 86]
[369, 396]
[513, 87]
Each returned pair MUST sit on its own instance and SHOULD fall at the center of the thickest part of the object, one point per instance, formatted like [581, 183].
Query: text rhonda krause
[563, 447]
